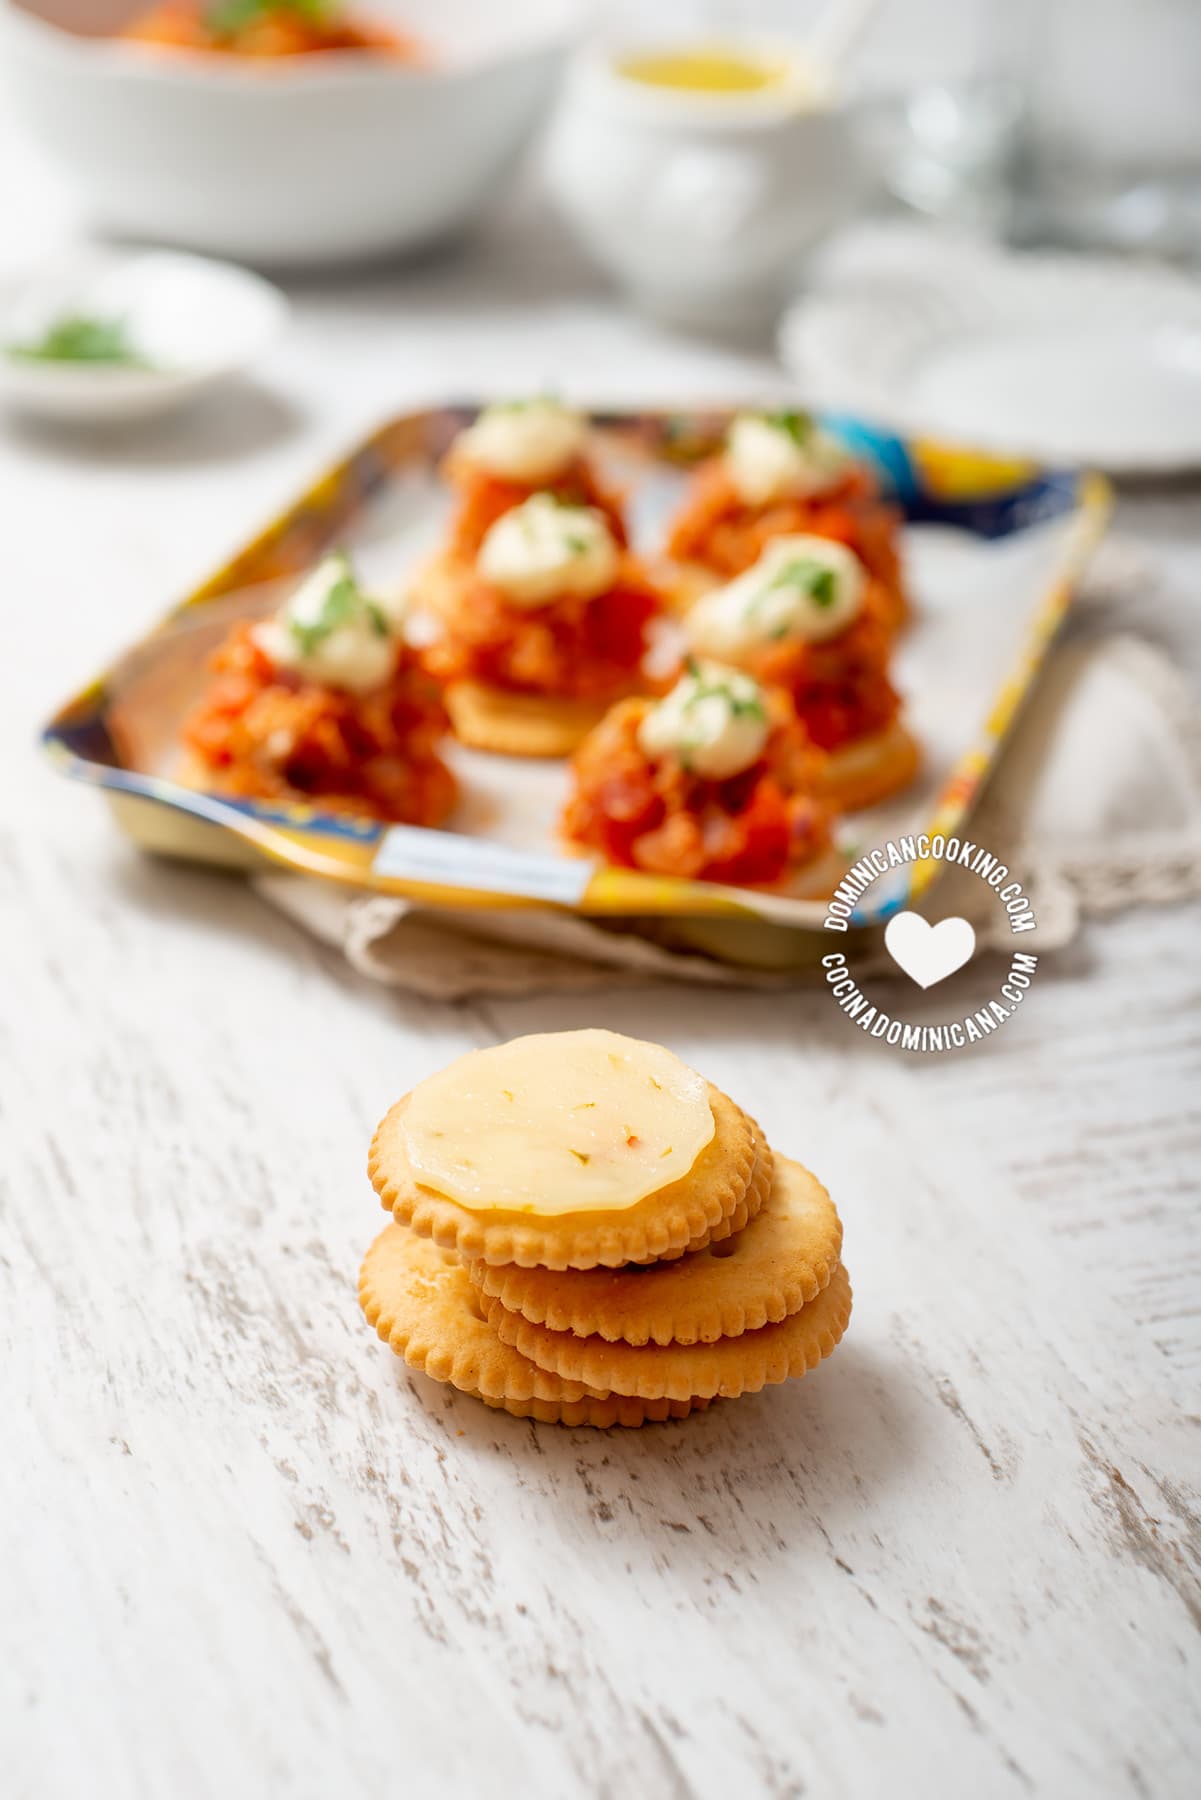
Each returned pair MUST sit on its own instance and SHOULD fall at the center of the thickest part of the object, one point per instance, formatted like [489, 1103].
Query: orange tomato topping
[716, 527]
[840, 688]
[268, 734]
[262, 28]
[483, 499]
[654, 815]
[574, 648]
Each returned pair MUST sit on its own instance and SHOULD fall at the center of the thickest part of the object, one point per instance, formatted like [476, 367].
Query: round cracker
[615, 1409]
[503, 720]
[868, 770]
[422, 1305]
[661, 1222]
[517, 724]
[732, 1366]
[757, 1189]
[781, 1261]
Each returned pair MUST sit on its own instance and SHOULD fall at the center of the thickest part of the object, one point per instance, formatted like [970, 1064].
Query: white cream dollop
[803, 587]
[714, 719]
[540, 551]
[774, 456]
[331, 632]
[524, 440]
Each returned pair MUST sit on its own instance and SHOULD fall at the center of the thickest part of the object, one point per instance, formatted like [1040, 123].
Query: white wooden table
[249, 1556]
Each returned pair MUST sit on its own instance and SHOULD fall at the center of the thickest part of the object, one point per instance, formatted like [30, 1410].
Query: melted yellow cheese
[559, 1122]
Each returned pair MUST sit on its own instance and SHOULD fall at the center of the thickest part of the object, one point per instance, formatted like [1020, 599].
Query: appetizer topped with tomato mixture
[542, 630]
[325, 702]
[714, 782]
[808, 617]
[779, 474]
[515, 449]
[264, 28]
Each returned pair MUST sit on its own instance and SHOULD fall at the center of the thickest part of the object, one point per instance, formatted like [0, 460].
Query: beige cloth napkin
[1095, 804]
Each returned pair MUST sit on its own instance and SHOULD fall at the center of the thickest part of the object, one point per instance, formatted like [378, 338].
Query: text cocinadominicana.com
[928, 1038]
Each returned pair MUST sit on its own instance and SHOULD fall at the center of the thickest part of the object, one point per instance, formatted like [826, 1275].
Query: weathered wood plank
[253, 1557]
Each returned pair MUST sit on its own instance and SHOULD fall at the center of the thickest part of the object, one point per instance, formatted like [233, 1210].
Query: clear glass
[943, 105]
[1113, 142]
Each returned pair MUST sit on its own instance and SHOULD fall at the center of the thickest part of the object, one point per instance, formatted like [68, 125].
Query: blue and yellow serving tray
[994, 550]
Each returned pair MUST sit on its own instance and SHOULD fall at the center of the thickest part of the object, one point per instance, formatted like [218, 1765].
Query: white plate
[1064, 359]
[195, 321]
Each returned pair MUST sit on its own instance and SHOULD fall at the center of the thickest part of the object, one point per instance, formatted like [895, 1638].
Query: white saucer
[196, 321]
[1064, 359]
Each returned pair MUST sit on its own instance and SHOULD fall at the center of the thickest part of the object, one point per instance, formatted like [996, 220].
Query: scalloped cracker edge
[420, 1302]
[666, 1221]
[780, 1262]
[732, 1366]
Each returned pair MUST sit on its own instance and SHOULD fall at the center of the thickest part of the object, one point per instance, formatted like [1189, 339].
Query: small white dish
[701, 202]
[1064, 359]
[196, 322]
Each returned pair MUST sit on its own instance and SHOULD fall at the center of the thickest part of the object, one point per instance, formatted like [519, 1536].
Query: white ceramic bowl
[309, 160]
[196, 322]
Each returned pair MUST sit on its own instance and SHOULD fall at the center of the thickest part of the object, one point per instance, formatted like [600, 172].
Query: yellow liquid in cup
[703, 71]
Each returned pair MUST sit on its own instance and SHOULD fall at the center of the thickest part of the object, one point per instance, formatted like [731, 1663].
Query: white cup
[701, 204]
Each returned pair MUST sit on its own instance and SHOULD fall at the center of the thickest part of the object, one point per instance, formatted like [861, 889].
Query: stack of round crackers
[722, 1281]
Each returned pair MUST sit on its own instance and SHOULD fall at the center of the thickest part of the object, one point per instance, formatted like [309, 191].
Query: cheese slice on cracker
[558, 1122]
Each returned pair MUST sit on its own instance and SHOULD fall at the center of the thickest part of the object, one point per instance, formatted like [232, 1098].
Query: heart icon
[928, 953]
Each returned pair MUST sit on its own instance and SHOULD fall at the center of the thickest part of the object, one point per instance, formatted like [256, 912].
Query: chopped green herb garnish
[226, 18]
[343, 600]
[797, 425]
[581, 1156]
[817, 579]
[82, 338]
[742, 706]
[547, 399]
[747, 707]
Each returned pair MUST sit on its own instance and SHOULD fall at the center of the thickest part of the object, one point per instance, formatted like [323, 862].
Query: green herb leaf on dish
[343, 600]
[82, 338]
[742, 706]
[814, 578]
[796, 425]
[226, 18]
[547, 398]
